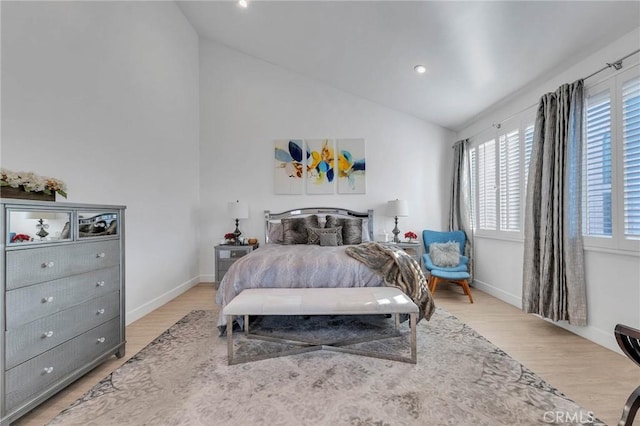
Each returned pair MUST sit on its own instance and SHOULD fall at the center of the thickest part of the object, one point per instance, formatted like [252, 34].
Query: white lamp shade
[398, 208]
[238, 210]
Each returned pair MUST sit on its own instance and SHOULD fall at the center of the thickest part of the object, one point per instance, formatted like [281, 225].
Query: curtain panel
[553, 276]
[460, 204]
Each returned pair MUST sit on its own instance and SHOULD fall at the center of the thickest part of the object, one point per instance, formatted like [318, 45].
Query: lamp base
[396, 231]
[237, 234]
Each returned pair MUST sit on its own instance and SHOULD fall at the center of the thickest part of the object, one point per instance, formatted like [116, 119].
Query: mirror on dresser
[97, 223]
[38, 226]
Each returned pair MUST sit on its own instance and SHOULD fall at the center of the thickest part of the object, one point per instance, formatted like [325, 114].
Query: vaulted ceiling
[476, 52]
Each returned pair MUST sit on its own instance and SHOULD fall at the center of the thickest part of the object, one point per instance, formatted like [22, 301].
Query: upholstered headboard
[270, 218]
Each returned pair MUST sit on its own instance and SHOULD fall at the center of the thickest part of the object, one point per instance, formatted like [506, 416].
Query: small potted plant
[230, 237]
[410, 236]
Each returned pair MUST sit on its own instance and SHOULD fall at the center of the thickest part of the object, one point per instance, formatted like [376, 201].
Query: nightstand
[413, 249]
[226, 255]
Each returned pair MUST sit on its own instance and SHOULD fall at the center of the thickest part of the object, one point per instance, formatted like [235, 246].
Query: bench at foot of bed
[321, 301]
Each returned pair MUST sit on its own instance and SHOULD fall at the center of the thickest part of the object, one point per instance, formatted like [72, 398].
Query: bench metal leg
[414, 350]
[336, 346]
[230, 339]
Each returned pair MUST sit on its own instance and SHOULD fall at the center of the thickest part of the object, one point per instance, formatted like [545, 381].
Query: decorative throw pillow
[445, 254]
[351, 228]
[294, 230]
[329, 239]
[315, 235]
[275, 232]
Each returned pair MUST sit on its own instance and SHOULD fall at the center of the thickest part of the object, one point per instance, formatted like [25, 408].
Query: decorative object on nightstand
[411, 236]
[238, 210]
[41, 226]
[397, 208]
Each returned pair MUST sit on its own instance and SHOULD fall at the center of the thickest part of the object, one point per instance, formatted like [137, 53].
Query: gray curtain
[553, 276]
[460, 205]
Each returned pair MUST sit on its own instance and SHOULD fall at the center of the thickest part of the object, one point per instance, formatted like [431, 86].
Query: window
[510, 181]
[497, 176]
[631, 156]
[486, 169]
[611, 162]
[596, 167]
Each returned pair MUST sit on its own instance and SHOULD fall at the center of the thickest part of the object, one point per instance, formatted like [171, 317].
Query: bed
[322, 247]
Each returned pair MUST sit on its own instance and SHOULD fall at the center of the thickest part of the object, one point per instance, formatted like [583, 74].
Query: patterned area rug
[182, 378]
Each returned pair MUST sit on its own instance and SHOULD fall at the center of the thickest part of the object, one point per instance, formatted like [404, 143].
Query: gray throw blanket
[398, 270]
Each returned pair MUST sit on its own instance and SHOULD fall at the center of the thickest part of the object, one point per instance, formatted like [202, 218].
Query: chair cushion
[445, 254]
[450, 275]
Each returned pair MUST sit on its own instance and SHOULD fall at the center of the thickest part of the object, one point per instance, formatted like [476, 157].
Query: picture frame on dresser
[63, 296]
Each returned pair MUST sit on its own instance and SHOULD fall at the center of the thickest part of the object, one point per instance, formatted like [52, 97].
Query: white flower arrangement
[31, 182]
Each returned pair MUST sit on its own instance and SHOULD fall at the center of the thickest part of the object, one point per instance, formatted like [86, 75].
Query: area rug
[182, 378]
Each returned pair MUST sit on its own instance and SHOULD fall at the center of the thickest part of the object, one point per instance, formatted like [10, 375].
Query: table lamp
[397, 208]
[238, 210]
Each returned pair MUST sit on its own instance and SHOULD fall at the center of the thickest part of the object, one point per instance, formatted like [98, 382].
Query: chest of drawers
[62, 297]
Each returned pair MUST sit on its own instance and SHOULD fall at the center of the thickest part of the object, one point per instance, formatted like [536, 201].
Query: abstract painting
[320, 155]
[289, 166]
[352, 176]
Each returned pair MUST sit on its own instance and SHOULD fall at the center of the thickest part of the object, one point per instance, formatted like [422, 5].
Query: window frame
[520, 122]
[617, 241]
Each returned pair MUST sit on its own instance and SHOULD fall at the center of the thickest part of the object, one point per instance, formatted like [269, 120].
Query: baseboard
[591, 333]
[154, 304]
[498, 293]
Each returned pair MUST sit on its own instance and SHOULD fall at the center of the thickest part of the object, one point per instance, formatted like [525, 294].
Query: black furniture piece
[629, 341]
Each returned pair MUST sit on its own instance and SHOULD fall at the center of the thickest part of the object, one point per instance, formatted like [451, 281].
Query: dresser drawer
[41, 335]
[31, 266]
[27, 304]
[33, 377]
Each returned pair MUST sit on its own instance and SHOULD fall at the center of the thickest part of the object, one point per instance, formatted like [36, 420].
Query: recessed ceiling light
[420, 69]
[243, 4]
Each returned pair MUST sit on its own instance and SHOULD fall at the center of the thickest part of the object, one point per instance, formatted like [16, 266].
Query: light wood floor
[596, 378]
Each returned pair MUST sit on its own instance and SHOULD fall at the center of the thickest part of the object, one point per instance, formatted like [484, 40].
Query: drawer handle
[101, 340]
[48, 264]
[100, 284]
[100, 255]
[48, 299]
[47, 334]
[100, 312]
[47, 370]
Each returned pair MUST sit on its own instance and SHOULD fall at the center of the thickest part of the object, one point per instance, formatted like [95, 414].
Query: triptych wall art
[319, 166]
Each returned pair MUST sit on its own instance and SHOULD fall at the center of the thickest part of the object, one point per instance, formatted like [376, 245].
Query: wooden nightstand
[225, 255]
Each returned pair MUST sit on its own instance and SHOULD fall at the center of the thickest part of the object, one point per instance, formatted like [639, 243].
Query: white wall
[246, 104]
[104, 95]
[612, 278]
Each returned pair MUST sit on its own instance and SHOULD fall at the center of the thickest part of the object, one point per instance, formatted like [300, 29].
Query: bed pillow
[294, 230]
[325, 236]
[445, 254]
[275, 232]
[351, 228]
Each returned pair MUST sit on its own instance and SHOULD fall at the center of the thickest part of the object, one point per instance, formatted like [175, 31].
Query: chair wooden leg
[465, 287]
[434, 283]
[630, 408]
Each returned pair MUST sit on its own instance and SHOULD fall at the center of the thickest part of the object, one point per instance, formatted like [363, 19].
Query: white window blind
[509, 185]
[631, 156]
[487, 217]
[597, 166]
[528, 145]
[473, 166]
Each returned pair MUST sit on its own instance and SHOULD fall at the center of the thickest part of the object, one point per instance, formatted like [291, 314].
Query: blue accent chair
[458, 274]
